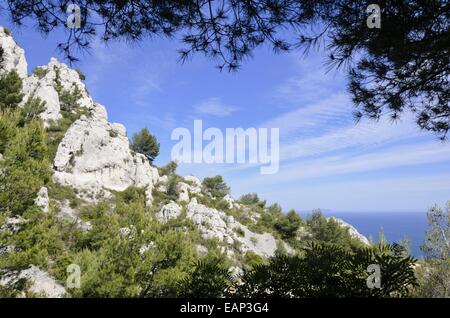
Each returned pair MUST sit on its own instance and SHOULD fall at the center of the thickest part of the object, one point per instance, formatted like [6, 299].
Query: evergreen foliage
[145, 143]
[402, 65]
[434, 271]
[215, 186]
[25, 168]
[209, 279]
[168, 169]
[10, 91]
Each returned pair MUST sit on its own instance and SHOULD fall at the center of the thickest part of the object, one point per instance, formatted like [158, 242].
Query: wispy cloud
[144, 87]
[214, 106]
[311, 83]
[364, 136]
[313, 118]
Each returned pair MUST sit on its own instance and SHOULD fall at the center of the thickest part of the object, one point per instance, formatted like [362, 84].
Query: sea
[395, 225]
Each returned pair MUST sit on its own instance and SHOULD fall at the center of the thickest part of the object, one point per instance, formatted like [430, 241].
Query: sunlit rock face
[52, 79]
[13, 56]
[41, 283]
[95, 155]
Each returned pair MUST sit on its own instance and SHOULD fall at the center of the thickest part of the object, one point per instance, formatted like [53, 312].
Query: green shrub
[172, 189]
[40, 72]
[62, 193]
[215, 186]
[208, 280]
[252, 259]
[69, 99]
[168, 169]
[113, 133]
[10, 91]
[80, 74]
[32, 108]
[8, 128]
[327, 270]
[222, 205]
[252, 199]
[287, 226]
[7, 31]
[240, 232]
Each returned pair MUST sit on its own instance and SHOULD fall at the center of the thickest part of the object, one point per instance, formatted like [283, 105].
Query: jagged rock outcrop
[228, 199]
[13, 56]
[195, 183]
[12, 224]
[95, 155]
[183, 192]
[191, 185]
[42, 284]
[52, 80]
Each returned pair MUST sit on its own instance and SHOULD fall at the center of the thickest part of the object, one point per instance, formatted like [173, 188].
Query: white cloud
[214, 106]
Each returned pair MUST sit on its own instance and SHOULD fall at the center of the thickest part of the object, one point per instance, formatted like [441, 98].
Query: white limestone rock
[228, 199]
[146, 247]
[66, 212]
[162, 188]
[352, 231]
[216, 224]
[192, 185]
[45, 88]
[163, 179]
[41, 282]
[195, 182]
[42, 200]
[95, 155]
[183, 192]
[12, 224]
[169, 211]
[13, 55]
[126, 231]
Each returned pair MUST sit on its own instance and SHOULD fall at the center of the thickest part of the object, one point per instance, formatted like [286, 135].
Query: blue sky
[327, 161]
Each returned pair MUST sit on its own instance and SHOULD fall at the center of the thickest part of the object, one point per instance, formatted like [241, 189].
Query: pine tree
[145, 143]
[10, 91]
[31, 110]
[216, 186]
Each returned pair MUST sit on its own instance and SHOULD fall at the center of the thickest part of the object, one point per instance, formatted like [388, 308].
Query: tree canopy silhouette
[403, 65]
